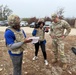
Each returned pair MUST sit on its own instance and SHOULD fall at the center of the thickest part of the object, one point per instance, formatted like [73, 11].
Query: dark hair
[39, 23]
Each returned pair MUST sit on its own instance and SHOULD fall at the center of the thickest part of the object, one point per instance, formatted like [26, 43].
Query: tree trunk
[75, 23]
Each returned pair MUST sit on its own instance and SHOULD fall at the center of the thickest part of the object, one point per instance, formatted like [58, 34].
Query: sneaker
[35, 58]
[46, 62]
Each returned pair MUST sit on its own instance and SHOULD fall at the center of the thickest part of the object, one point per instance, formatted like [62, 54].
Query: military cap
[53, 16]
[13, 20]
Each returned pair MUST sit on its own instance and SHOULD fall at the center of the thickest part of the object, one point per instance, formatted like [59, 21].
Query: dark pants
[17, 64]
[42, 48]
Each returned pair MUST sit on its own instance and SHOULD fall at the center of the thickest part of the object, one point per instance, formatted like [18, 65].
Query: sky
[40, 8]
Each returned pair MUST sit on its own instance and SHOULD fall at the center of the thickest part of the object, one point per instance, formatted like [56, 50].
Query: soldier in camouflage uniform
[57, 33]
[39, 31]
[16, 42]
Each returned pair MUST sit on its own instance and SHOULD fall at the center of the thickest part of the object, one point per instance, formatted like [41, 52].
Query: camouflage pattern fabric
[19, 38]
[57, 31]
[58, 47]
[13, 20]
[53, 16]
[40, 33]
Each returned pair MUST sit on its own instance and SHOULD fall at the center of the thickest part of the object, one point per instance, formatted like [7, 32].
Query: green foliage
[25, 19]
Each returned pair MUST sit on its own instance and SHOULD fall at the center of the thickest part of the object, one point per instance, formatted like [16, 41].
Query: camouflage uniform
[57, 31]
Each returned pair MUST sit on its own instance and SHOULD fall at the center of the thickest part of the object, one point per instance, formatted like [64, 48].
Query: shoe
[35, 58]
[64, 66]
[54, 60]
[73, 50]
[46, 62]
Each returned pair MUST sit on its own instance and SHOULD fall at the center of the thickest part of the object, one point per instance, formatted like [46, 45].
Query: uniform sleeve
[67, 27]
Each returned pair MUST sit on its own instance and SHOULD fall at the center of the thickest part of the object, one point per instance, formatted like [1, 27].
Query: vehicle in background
[47, 24]
[32, 25]
[4, 23]
[23, 23]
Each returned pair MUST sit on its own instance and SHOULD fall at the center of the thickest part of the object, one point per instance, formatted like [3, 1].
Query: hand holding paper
[27, 40]
[34, 39]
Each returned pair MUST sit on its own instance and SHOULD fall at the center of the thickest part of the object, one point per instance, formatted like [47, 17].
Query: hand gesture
[27, 40]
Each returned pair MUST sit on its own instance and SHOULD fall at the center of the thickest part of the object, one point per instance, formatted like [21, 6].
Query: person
[16, 41]
[58, 34]
[39, 31]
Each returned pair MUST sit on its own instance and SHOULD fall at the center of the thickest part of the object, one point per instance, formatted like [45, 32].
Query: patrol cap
[13, 20]
[53, 16]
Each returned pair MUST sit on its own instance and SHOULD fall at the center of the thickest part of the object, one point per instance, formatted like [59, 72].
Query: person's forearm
[15, 45]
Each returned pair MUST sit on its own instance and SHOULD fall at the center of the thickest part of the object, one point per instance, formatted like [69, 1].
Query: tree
[47, 19]
[33, 19]
[60, 12]
[71, 21]
[1, 11]
[4, 12]
[25, 19]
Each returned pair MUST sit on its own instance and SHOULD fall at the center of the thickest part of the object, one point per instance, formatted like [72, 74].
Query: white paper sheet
[34, 39]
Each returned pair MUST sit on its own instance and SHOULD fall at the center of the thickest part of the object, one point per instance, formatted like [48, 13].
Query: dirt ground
[29, 30]
[38, 67]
